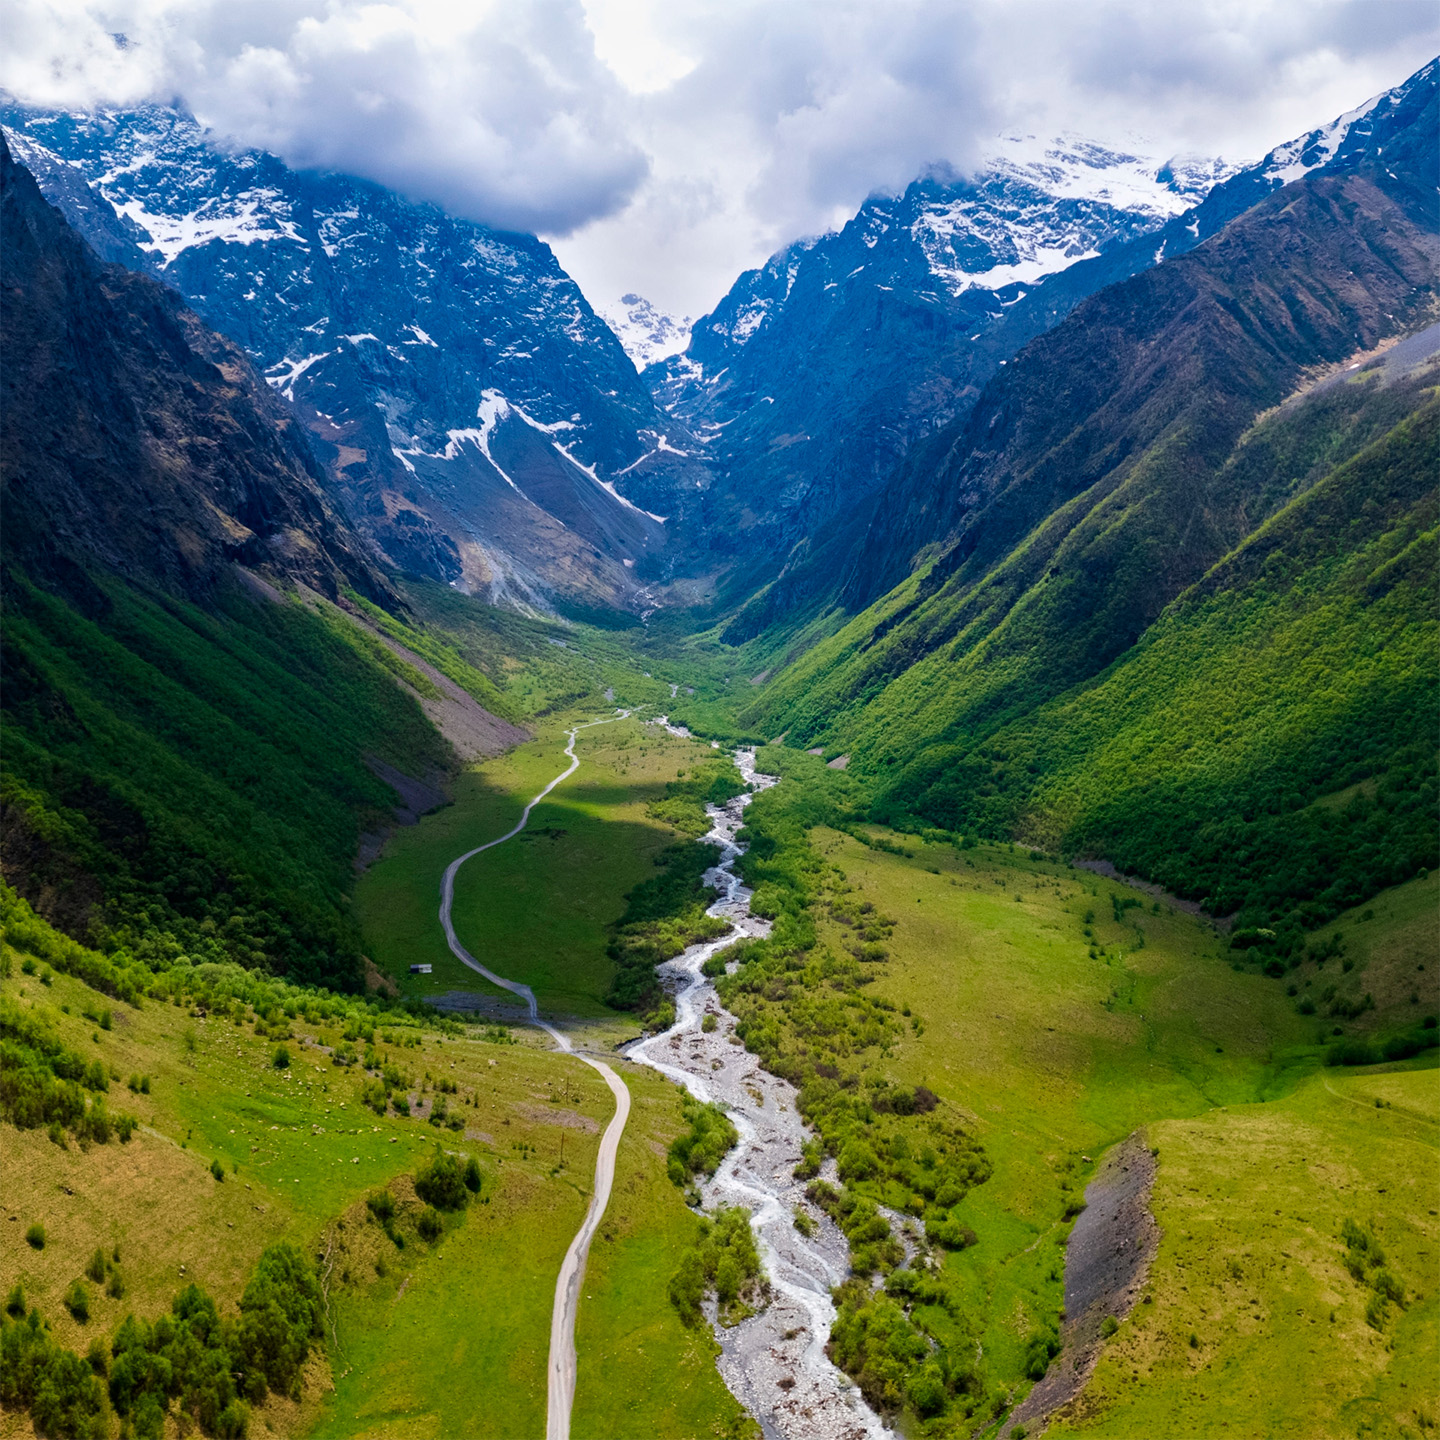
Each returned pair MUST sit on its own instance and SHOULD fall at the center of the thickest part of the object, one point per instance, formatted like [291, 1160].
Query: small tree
[442, 1183]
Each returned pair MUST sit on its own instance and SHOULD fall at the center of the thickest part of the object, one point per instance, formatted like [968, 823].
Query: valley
[876, 876]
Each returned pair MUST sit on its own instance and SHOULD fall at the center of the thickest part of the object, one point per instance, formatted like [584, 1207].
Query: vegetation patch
[723, 1262]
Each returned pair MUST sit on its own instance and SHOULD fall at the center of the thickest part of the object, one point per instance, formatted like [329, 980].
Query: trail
[561, 1370]
[774, 1362]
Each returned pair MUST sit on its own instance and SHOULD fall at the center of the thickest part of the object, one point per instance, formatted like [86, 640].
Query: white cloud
[497, 110]
[663, 145]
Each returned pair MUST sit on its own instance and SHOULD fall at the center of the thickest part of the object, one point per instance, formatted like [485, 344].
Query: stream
[774, 1362]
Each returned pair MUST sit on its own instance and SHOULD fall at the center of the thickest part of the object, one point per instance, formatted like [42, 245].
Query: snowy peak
[646, 333]
[1035, 208]
[417, 348]
[1365, 125]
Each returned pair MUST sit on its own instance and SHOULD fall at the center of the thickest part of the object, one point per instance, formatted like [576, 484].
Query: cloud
[663, 145]
[498, 111]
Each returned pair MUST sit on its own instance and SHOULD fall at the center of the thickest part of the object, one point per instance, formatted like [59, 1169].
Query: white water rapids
[775, 1361]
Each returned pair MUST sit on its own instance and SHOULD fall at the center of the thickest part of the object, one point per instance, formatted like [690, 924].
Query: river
[774, 1362]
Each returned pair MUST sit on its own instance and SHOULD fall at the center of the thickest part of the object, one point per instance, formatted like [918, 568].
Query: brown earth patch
[556, 1115]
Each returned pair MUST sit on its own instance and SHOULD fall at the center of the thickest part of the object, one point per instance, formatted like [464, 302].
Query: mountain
[817, 374]
[479, 423]
[648, 335]
[813, 376]
[861, 551]
[190, 753]
[139, 439]
[1107, 470]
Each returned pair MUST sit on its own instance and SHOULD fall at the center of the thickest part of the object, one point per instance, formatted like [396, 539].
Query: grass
[1250, 1200]
[299, 1156]
[1389, 944]
[641, 1371]
[1052, 1054]
[538, 908]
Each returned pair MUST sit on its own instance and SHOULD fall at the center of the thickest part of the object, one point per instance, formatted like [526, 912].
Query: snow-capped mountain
[648, 335]
[816, 374]
[482, 425]
[812, 378]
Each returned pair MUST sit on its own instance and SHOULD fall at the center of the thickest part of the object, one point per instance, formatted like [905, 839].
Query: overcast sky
[662, 146]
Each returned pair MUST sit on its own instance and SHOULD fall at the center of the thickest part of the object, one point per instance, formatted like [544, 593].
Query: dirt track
[562, 1366]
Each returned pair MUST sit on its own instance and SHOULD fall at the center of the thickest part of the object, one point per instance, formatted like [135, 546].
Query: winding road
[561, 1371]
[774, 1362]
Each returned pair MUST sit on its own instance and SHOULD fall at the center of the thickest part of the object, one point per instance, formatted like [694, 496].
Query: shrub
[724, 1260]
[217, 1170]
[281, 1058]
[280, 1315]
[95, 1267]
[381, 1205]
[700, 1150]
[1043, 1348]
[1108, 1326]
[430, 1224]
[77, 1301]
[472, 1175]
[57, 1387]
[15, 1300]
[35, 1237]
[709, 1023]
[442, 1183]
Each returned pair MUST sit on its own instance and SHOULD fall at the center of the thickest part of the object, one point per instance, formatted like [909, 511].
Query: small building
[420, 969]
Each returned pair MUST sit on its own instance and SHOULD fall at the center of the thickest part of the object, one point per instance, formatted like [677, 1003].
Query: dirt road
[562, 1368]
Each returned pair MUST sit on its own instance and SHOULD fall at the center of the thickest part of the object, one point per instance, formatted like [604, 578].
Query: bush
[724, 1260]
[217, 1170]
[35, 1237]
[700, 1150]
[1352, 1052]
[95, 1267]
[77, 1301]
[280, 1315]
[430, 1224]
[57, 1387]
[281, 1058]
[442, 1183]
[472, 1175]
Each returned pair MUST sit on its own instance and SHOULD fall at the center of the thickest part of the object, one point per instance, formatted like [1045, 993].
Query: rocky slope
[869, 544]
[481, 425]
[817, 374]
[138, 439]
[1109, 468]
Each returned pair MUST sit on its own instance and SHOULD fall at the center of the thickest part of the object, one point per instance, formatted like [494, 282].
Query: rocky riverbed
[775, 1361]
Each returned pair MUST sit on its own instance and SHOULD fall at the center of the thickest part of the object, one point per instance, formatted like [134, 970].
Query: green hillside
[1216, 755]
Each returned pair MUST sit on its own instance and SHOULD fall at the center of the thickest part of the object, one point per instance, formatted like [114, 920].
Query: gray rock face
[481, 425]
[816, 373]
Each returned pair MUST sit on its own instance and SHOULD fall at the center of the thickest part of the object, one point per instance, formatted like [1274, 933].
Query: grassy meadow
[1055, 1035]
[300, 1155]
[538, 908]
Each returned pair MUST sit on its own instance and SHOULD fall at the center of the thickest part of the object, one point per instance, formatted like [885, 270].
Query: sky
[663, 146]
